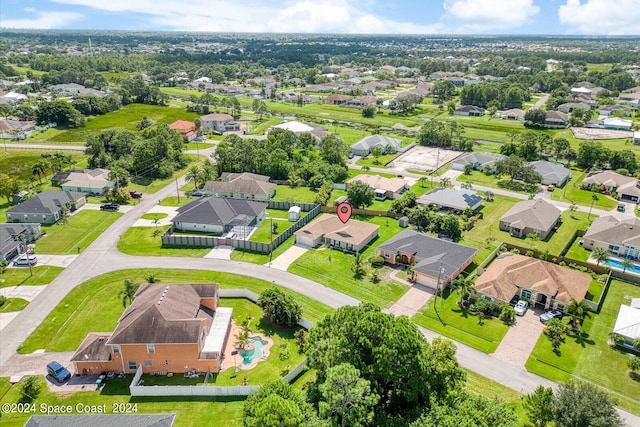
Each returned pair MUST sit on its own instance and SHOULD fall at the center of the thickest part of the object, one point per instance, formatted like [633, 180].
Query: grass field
[127, 117]
[75, 316]
[572, 192]
[589, 356]
[332, 268]
[141, 241]
[17, 163]
[20, 276]
[80, 231]
[286, 193]
[153, 216]
[13, 304]
[461, 325]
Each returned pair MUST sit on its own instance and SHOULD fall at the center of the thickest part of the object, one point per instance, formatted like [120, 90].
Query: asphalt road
[102, 256]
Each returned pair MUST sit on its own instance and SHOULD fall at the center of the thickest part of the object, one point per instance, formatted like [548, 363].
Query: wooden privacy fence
[169, 239]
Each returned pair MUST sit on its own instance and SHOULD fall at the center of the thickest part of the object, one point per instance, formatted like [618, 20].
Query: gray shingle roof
[550, 170]
[429, 252]
[537, 214]
[480, 159]
[220, 211]
[451, 198]
[377, 141]
[7, 232]
[245, 183]
[46, 202]
[615, 231]
[102, 420]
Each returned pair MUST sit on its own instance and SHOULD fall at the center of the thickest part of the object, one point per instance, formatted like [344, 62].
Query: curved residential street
[102, 256]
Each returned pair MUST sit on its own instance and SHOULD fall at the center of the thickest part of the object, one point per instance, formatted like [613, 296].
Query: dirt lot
[592, 133]
[424, 159]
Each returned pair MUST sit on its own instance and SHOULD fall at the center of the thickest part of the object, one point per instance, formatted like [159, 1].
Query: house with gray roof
[627, 187]
[102, 420]
[46, 207]
[245, 185]
[436, 262]
[531, 216]
[477, 160]
[90, 181]
[11, 244]
[366, 144]
[556, 118]
[551, 173]
[619, 236]
[469, 110]
[568, 107]
[219, 215]
[452, 198]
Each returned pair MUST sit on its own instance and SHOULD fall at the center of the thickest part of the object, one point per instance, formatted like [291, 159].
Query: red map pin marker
[344, 212]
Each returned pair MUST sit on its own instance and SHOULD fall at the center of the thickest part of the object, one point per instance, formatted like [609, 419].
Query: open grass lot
[174, 201]
[333, 268]
[480, 178]
[75, 316]
[370, 160]
[141, 241]
[588, 355]
[17, 163]
[13, 304]
[190, 411]
[127, 117]
[80, 231]
[153, 216]
[491, 389]
[287, 193]
[461, 324]
[572, 192]
[20, 276]
[148, 186]
[356, 172]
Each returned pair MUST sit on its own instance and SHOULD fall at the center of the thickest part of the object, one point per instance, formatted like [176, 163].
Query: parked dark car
[198, 193]
[551, 314]
[110, 207]
[58, 372]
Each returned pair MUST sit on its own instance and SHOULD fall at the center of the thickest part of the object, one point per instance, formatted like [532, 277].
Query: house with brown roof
[469, 110]
[530, 216]
[89, 181]
[384, 188]
[353, 235]
[170, 328]
[185, 128]
[542, 283]
[219, 123]
[556, 118]
[620, 236]
[627, 187]
[337, 99]
[245, 185]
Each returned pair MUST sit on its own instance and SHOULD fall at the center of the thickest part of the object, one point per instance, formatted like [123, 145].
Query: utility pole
[270, 240]
[435, 301]
[178, 190]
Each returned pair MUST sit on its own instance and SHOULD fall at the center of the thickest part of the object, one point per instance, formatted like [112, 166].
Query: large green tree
[279, 307]
[404, 370]
[539, 406]
[580, 404]
[277, 404]
[60, 112]
[347, 399]
[360, 195]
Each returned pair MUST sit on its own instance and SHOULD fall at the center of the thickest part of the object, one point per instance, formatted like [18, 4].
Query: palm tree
[578, 311]
[463, 286]
[128, 293]
[422, 181]
[445, 182]
[358, 264]
[38, 169]
[601, 254]
[627, 263]
[194, 175]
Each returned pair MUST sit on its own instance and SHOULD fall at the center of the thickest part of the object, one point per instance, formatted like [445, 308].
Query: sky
[557, 17]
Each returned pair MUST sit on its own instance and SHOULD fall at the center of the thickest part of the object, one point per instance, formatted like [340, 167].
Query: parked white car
[521, 308]
[26, 260]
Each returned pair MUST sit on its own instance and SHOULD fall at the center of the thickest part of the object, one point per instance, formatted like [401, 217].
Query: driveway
[411, 302]
[517, 344]
[56, 260]
[288, 257]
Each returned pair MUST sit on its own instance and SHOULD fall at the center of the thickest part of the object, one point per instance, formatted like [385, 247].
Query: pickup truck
[135, 195]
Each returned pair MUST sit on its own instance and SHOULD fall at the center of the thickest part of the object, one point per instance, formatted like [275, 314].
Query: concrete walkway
[288, 257]
[517, 344]
[412, 301]
[56, 260]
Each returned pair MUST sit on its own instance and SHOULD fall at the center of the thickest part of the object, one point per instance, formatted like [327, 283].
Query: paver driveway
[520, 339]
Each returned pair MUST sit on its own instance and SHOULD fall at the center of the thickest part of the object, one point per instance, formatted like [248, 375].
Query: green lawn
[75, 316]
[153, 216]
[17, 164]
[356, 172]
[20, 276]
[333, 268]
[141, 241]
[491, 389]
[263, 232]
[589, 356]
[371, 160]
[127, 117]
[577, 252]
[13, 304]
[286, 193]
[461, 325]
[572, 192]
[80, 231]
[190, 411]
[148, 186]
[174, 201]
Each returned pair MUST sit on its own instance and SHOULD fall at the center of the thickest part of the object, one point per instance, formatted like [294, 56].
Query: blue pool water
[248, 356]
[617, 264]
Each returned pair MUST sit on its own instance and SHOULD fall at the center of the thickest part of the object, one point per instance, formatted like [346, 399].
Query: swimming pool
[617, 264]
[249, 356]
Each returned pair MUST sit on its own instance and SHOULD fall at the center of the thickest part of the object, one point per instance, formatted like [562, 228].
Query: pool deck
[228, 358]
[635, 270]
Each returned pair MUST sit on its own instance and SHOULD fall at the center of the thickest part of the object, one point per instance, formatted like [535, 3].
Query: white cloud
[601, 16]
[42, 20]
[487, 15]
[299, 16]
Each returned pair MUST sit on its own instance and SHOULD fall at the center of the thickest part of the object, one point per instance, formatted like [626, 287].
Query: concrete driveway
[288, 257]
[412, 301]
[517, 344]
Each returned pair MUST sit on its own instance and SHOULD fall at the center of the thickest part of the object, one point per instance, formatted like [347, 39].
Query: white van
[26, 260]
